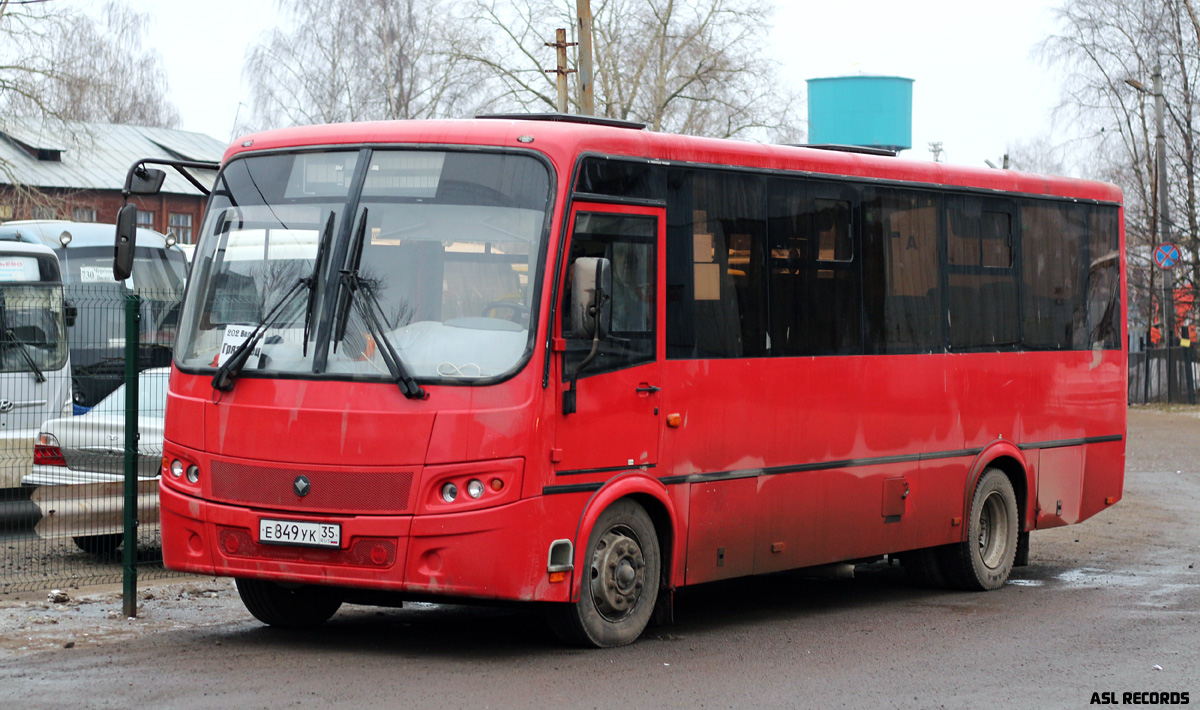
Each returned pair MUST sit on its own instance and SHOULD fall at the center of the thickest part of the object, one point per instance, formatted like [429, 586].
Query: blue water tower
[870, 111]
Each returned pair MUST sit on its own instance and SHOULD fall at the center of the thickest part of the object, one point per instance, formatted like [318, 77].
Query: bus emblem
[7, 406]
[301, 486]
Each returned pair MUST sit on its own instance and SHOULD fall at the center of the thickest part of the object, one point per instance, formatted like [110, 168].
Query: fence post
[1146, 376]
[1189, 377]
[133, 313]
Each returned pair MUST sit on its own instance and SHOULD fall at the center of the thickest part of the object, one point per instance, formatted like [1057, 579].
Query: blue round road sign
[1166, 256]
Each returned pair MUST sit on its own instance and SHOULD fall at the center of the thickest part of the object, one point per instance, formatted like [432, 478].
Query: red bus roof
[561, 141]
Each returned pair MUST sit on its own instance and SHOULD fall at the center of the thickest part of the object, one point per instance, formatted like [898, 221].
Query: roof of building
[96, 156]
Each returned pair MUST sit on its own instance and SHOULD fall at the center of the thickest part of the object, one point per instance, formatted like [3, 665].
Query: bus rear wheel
[620, 581]
[288, 607]
[984, 560]
[924, 567]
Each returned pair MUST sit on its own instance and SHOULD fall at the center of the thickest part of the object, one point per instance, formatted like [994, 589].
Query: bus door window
[627, 241]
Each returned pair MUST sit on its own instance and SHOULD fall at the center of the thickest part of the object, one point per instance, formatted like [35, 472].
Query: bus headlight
[176, 468]
[449, 492]
[475, 488]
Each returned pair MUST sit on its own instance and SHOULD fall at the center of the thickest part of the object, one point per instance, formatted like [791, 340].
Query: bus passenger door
[615, 425]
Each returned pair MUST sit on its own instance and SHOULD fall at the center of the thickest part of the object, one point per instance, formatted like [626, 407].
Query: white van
[35, 364]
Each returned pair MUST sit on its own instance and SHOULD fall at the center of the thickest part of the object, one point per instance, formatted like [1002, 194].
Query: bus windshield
[439, 248]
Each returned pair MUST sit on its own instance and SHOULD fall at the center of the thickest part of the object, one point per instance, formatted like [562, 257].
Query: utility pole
[560, 43]
[1164, 201]
[587, 103]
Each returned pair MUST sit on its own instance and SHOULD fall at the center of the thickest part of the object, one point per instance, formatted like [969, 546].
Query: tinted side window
[621, 178]
[1104, 276]
[902, 281]
[981, 283]
[1052, 274]
[814, 273]
[716, 232]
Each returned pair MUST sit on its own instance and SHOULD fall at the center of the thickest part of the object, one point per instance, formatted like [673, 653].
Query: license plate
[298, 532]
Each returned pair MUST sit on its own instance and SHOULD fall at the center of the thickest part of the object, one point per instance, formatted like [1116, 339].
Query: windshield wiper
[344, 294]
[11, 340]
[232, 367]
[369, 313]
[348, 285]
[7, 337]
[322, 247]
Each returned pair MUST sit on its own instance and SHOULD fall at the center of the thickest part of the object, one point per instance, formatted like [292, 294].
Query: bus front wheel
[984, 560]
[620, 581]
[288, 607]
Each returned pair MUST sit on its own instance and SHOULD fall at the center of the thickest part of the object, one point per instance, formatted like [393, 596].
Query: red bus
[574, 362]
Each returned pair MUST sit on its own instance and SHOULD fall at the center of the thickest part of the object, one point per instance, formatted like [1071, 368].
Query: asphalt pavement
[1108, 606]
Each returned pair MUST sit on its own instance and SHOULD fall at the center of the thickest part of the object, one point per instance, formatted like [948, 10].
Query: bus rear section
[488, 361]
[35, 380]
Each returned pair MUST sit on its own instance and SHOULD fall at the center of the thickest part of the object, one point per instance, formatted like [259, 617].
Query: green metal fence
[63, 497]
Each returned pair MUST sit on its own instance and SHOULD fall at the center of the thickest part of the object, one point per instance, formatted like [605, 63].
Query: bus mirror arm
[591, 314]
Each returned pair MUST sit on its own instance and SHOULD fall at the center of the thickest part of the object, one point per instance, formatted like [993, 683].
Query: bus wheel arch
[619, 580]
[1005, 456]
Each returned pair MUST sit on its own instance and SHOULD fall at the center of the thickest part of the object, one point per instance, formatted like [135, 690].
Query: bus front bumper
[494, 553]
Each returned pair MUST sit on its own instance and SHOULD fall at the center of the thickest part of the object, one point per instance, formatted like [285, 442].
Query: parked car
[79, 467]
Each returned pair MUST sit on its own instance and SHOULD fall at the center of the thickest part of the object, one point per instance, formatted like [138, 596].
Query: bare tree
[61, 64]
[358, 60]
[1104, 44]
[685, 66]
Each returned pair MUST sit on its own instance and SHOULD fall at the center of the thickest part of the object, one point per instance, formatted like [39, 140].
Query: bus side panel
[721, 535]
[1060, 477]
[1103, 477]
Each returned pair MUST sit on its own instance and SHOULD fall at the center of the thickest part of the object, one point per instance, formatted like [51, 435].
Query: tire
[620, 581]
[924, 567]
[99, 545]
[288, 607]
[984, 560]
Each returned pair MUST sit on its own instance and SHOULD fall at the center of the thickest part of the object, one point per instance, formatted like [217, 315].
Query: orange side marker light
[556, 577]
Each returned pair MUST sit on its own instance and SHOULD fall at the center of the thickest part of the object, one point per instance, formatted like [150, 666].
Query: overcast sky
[978, 86]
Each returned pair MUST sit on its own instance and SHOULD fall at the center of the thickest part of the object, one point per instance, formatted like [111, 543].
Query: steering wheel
[520, 311]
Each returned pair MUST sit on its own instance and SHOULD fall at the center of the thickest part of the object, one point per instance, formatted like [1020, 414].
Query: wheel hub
[993, 530]
[618, 574]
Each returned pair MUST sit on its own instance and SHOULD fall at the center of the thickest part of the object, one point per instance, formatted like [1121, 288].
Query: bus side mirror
[70, 313]
[146, 181]
[125, 243]
[591, 298]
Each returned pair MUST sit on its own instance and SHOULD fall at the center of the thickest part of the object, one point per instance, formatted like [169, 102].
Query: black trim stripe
[573, 488]
[1060, 443]
[610, 469]
[816, 466]
[617, 199]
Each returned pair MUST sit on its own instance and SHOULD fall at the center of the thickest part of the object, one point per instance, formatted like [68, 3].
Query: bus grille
[330, 491]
